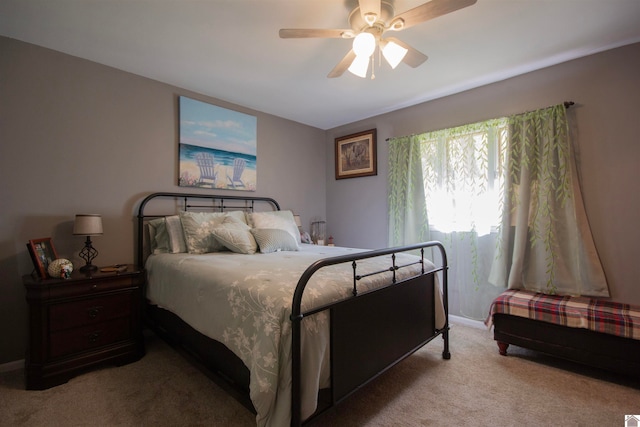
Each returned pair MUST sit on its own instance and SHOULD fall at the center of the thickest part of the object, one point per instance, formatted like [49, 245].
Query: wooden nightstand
[78, 323]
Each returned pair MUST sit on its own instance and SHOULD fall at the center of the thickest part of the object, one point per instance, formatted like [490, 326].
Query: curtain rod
[566, 104]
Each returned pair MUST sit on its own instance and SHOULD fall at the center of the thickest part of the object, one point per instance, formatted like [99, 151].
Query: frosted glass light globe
[364, 44]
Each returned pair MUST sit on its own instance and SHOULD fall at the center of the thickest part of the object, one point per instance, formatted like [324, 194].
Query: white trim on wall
[457, 320]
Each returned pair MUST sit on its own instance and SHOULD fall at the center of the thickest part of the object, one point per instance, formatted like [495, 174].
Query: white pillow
[274, 240]
[282, 220]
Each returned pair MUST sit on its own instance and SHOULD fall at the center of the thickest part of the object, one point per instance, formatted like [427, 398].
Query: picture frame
[356, 155]
[42, 253]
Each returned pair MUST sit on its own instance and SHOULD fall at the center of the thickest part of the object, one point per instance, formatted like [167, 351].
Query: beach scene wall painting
[217, 147]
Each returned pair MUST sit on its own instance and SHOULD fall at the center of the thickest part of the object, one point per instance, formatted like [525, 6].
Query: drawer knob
[94, 311]
[93, 337]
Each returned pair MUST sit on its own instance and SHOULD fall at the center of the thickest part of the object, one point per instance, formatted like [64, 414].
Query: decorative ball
[60, 268]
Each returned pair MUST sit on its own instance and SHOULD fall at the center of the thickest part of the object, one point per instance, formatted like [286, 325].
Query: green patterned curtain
[408, 221]
[545, 241]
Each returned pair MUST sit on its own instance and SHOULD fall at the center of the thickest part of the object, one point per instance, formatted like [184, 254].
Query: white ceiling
[230, 49]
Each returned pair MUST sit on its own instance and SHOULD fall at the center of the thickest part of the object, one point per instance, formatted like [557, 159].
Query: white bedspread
[244, 301]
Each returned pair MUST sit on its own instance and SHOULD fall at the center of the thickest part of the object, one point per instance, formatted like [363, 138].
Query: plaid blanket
[576, 312]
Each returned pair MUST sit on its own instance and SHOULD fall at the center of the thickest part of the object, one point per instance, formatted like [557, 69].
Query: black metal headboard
[186, 201]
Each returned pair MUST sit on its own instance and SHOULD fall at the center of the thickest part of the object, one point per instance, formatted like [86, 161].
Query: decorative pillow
[282, 220]
[198, 229]
[274, 240]
[236, 236]
[236, 216]
[177, 243]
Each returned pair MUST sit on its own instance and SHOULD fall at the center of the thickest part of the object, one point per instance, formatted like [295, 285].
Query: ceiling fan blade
[414, 58]
[431, 10]
[369, 8]
[295, 33]
[343, 65]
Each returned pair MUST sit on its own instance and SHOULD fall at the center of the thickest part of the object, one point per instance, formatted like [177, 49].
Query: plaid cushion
[576, 312]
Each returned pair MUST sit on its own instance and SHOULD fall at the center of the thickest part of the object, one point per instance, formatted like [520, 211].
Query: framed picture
[356, 155]
[42, 253]
[218, 147]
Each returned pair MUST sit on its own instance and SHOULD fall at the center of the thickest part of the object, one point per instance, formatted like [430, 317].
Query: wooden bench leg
[502, 348]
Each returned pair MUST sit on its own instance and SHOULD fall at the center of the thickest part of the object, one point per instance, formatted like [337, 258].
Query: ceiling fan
[369, 22]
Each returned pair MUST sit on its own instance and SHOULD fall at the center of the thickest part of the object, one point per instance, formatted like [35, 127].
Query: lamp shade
[88, 225]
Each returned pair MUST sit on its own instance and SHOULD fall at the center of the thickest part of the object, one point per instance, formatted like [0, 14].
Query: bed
[590, 331]
[293, 329]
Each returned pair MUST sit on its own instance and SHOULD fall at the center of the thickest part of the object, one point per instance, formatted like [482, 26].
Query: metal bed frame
[369, 332]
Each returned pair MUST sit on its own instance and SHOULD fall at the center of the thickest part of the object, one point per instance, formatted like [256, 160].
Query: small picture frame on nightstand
[42, 253]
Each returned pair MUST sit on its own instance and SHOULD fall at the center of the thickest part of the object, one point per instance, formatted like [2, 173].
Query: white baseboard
[12, 366]
[467, 322]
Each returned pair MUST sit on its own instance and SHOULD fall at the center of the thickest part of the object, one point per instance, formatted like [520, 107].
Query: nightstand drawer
[95, 285]
[89, 311]
[71, 341]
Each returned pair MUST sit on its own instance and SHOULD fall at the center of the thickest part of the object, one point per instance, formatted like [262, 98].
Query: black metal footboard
[373, 331]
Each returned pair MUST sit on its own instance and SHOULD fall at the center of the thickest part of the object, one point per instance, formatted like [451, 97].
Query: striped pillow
[274, 240]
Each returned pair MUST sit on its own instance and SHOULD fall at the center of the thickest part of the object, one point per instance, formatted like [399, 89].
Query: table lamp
[88, 225]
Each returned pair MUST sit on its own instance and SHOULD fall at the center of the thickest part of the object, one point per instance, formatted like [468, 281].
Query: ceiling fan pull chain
[373, 66]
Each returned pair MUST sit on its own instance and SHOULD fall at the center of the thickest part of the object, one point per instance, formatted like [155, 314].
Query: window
[462, 171]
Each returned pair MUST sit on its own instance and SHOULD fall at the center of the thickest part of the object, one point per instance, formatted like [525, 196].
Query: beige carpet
[477, 387]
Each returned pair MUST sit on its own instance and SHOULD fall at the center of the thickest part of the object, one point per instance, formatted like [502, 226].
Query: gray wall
[79, 137]
[606, 90]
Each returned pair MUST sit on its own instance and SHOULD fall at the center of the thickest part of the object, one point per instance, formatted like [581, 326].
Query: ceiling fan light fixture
[369, 21]
[393, 53]
[360, 66]
[364, 44]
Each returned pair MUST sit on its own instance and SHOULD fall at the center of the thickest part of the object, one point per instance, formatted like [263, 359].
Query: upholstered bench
[591, 331]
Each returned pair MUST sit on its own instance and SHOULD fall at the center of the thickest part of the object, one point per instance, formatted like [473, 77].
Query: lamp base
[88, 268]
[88, 254]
